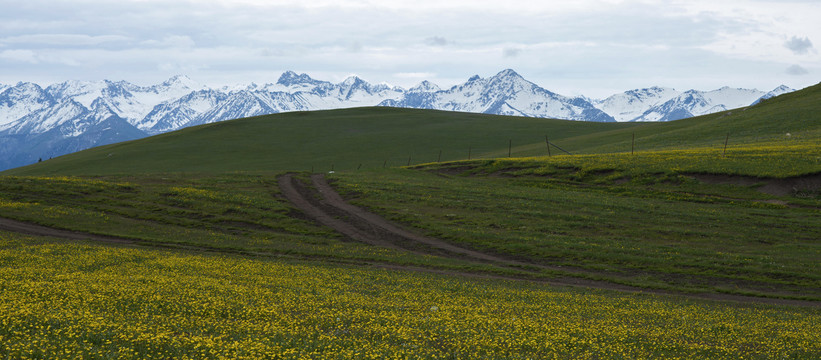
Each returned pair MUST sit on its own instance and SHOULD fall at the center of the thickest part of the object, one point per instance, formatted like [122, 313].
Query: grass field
[85, 301]
[222, 265]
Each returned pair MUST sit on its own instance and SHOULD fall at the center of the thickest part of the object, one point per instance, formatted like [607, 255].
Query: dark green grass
[643, 233]
[231, 213]
[321, 140]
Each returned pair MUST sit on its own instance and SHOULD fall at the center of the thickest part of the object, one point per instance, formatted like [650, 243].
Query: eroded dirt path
[329, 209]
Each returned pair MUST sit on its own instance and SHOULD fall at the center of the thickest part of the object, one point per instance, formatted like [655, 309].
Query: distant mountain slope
[630, 105]
[506, 93]
[693, 103]
[783, 89]
[666, 104]
[28, 110]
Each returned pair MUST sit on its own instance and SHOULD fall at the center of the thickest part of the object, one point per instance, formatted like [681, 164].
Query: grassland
[221, 265]
[322, 140]
[86, 301]
[630, 220]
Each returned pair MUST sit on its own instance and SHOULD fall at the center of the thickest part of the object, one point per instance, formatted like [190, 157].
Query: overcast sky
[581, 47]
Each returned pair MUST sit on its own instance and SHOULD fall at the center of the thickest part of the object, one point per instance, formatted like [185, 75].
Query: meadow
[89, 301]
[632, 220]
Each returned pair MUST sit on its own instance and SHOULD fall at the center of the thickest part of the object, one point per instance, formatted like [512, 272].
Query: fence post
[547, 142]
[723, 154]
[409, 159]
[439, 159]
[509, 147]
[633, 145]
[470, 149]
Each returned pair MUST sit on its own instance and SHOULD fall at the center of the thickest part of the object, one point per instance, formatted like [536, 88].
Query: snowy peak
[693, 103]
[22, 99]
[290, 82]
[783, 89]
[631, 104]
[354, 82]
[23, 90]
[180, 81]
[425, 86]
[510, 81]
[508, 74]
[506, 93]
[174, 87]
[290, 78]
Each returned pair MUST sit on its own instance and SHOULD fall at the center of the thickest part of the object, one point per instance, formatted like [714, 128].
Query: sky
[584, 47]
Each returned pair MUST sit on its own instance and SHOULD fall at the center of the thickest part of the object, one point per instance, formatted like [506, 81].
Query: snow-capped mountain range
[37, 123]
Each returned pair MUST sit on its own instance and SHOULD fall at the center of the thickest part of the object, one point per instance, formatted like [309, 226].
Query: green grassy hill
[375, 137]
[343, 139]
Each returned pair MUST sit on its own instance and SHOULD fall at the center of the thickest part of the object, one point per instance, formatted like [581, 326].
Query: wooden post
[312, 169]
[439, 159]
[359, 167]
[633, 145]
[725, 145]
[547, 142]
[470, 149]
[385, 164]
[409, 159]
[509, 147]
[332, 167]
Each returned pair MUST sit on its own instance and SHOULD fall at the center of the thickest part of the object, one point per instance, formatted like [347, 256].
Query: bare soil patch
[452, 170]
[39, 230]
[776, 187]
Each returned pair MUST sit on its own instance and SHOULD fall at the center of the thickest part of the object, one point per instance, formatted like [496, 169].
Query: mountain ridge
[29, 111]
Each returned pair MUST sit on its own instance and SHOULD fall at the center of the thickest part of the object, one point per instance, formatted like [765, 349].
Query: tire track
[40, 230]
[329, 209]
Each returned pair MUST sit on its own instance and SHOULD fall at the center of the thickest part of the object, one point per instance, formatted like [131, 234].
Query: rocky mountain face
[39, 123]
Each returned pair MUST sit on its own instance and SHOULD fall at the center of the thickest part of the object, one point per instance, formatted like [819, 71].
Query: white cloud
[62, 39]
[174, 41]
[26, 56]
[414, 75]
[598, 43]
